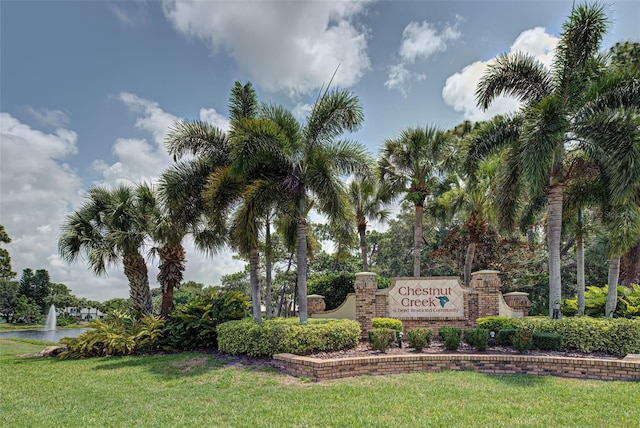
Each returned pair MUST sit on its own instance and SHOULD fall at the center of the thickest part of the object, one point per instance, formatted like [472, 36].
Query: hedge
[282, 335]
[392, 323]
[615, 336]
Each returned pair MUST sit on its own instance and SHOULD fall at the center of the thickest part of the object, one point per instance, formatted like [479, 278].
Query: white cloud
[291, 46]
[459, 89]
[420, 40]
[38, 190]
[301, 111]
[51, 118]
[211, 116]
[399, 77]
[129, 13]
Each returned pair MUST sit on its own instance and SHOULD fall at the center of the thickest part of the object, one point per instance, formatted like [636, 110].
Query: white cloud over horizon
[291, 46]
[39, 190]
[420, 40]
[459, 89]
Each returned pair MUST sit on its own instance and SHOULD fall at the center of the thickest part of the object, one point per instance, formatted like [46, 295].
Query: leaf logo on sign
[443, 300]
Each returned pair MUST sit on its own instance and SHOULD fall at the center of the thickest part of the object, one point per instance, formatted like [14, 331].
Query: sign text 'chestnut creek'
[426, 298]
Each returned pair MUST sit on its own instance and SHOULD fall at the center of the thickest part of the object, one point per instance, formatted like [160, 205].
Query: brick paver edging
[324, 369]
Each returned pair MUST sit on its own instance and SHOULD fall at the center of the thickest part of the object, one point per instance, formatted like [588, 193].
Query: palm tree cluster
[574, 145]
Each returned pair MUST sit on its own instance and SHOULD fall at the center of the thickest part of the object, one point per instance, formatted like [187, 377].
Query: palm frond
[334, 113]
[519, 75]
[197, 138]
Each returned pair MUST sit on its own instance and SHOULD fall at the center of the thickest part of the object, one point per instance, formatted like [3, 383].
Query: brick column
[487, 284]
[365, 287]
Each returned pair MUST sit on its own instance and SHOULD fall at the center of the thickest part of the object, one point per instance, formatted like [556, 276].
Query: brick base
[319, 370]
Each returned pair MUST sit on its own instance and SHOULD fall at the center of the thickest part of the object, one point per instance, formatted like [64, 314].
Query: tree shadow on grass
[187, 364]
[171, 366]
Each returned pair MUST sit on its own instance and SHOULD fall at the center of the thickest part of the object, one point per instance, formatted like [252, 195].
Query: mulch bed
[363, 350]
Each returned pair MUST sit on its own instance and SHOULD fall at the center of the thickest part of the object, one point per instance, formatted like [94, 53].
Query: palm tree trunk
[170, 274]
[554, 230]
[417, 241]
[254, 274]
[267, 268]
[612, 280]
[135, 269]
[630, 266]
[362, 231]
[301, 258]
[284, 285]
[468, 262]
[580, 272]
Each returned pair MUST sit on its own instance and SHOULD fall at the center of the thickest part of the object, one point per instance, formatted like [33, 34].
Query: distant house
[84, 314]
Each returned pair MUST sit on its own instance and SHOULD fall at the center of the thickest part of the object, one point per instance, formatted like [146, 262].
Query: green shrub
[627, 306]
[64, 320]
[333, 286]
[482, 339]
[469, 336]
[193, 325]
[280, 335]
[119, 334]
[550, 341]
[505, 337]
[477, 337]
[493, 323]
[419, 338]
[617, 336]
[391, 323]
[450, 337]
[522, 339]
[381, 339]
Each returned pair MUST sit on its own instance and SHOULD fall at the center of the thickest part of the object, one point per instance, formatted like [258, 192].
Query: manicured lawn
[195, 389]
[15, 327]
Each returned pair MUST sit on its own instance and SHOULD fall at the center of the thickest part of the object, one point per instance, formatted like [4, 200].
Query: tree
[554, 106]
[367, 203]
[9, 299]
[167, 228]
[240, 195]
[5, 259]
[410, 165]
[301, 162]
[473, 199]
[111, 226]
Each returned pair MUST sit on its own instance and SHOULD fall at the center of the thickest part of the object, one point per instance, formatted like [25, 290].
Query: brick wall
[319, 370]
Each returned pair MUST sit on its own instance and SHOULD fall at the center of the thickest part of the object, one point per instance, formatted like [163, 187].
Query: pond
[46, 335]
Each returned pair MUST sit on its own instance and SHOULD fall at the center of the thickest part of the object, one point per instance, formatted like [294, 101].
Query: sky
[88, 89]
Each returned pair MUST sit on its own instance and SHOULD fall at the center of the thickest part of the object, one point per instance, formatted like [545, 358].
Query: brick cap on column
[485, 272]
[366, 274]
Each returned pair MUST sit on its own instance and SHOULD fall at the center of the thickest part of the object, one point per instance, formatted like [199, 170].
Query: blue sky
[89, 88]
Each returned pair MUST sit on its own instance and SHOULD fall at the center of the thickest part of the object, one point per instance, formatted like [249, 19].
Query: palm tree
[367, 203]
[111, 226]
[473, 199]
[549, 121]
[167, 228]
[241, 195]
[411, 165]
[298, 163]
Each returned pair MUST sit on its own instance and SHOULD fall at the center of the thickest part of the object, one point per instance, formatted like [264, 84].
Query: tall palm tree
[472, 198]
[367, 202]
[110, 227]
[549, 121]
[240, 195]
[411, 165]
[302, 162]
[167, 229]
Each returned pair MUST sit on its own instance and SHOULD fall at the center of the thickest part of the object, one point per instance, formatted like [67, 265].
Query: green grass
[194, 389]
[17, 327]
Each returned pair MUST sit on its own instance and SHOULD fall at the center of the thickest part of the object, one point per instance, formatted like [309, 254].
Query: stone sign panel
[438, 297]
